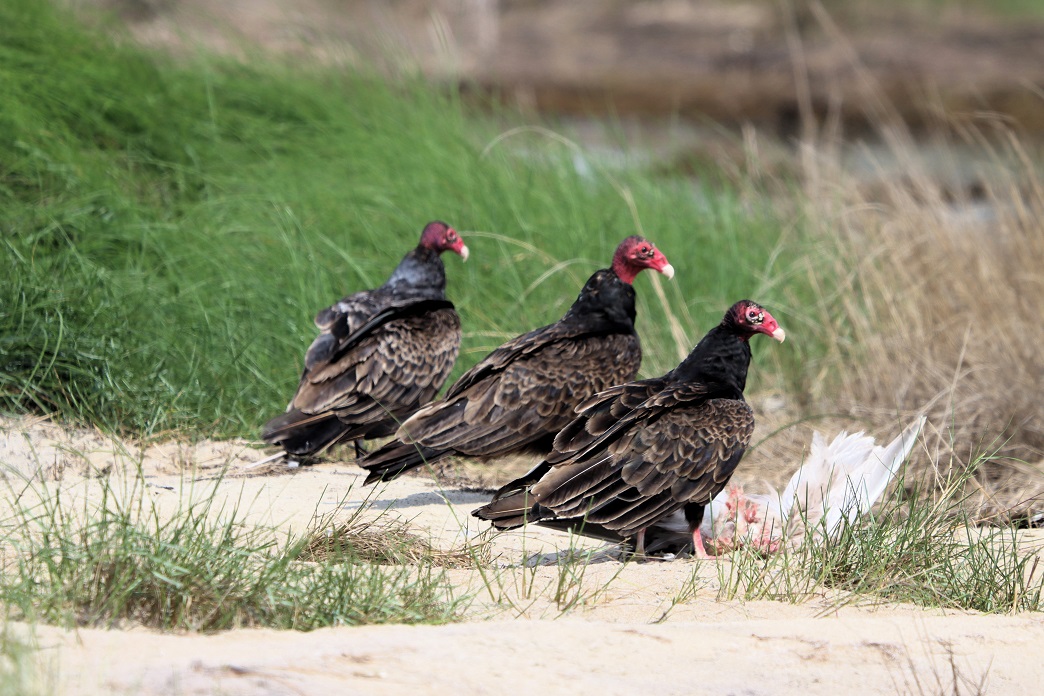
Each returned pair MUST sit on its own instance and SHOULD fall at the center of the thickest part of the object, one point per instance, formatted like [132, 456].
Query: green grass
[19, 672]
[114, 559]
[550, 585]
[169, 227]
[920, 547]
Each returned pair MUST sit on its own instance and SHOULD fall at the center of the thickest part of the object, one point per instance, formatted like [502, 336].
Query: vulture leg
[698, 549]
[360, 451]
[639, 544]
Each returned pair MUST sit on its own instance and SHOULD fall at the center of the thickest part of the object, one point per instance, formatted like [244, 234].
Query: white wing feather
[842, 480]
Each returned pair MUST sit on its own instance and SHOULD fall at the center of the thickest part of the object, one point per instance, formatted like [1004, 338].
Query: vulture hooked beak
[771, 327]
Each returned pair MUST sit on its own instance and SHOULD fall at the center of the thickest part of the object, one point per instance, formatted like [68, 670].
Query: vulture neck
[422, 270]
[719, 360]
[605, 304]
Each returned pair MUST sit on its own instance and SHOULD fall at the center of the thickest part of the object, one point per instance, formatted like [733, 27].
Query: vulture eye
[451, 235]
[644, 251]
[755, 316]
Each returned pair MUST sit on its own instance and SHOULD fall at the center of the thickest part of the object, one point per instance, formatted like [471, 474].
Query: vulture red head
[635, 254]
[747, 318]
[440, 237]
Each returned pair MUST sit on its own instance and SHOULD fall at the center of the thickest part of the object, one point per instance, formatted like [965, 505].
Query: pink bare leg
[698, 549]
[639, 545]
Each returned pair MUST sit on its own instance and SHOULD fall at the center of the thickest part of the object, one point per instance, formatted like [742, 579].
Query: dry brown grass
[930, 264]
[943, 305]
[939, 252]
[387, 541]
[938, 308]
[954, 299]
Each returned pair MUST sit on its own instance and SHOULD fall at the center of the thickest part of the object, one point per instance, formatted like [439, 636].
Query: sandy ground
[626, 633]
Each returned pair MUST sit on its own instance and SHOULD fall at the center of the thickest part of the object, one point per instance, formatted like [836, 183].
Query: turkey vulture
[380, 355]
[522, 393]
[638, 452]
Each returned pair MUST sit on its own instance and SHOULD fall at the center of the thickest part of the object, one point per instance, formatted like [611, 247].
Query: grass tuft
[921, 547]
[113, 559]
[19, 672]
[386, 542]
[552, 584]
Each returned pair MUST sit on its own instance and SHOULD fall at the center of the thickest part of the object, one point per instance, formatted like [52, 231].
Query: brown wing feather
[665, 459]
[338, 324]
[535, 342]
[600, 413]
[395, 369]
[510, 403]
